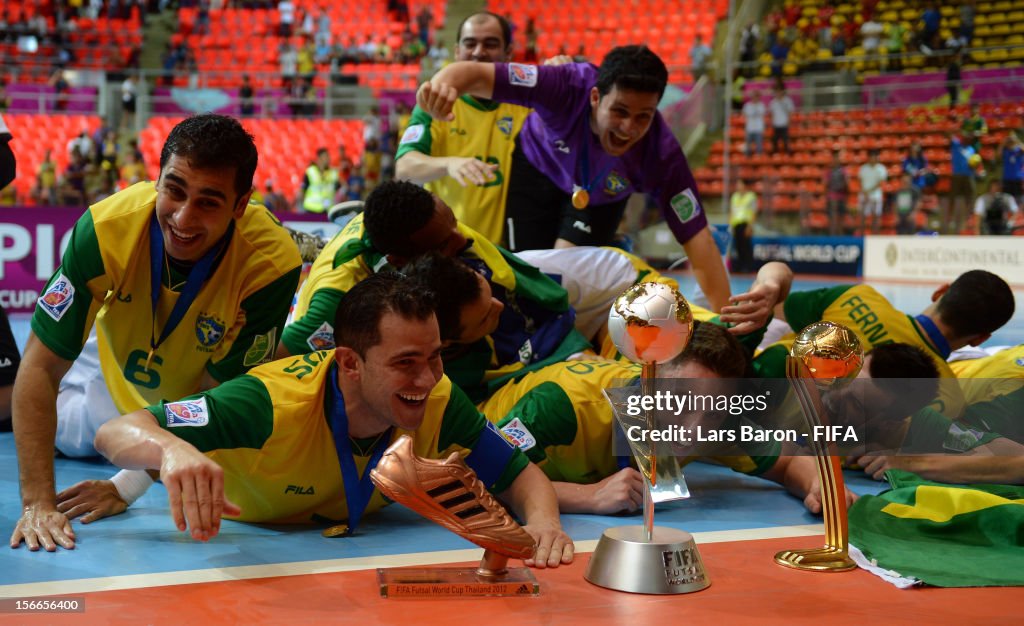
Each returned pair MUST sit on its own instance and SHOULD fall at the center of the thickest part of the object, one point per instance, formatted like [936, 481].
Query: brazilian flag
[944, 535]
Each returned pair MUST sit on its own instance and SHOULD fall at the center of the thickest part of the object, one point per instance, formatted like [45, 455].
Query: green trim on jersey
[803, 308]
[241, 416]
[549, 414]
[424, 143]
[540, 287]
[771, 362]
[80, 264]
[266, 308]
[323, 305]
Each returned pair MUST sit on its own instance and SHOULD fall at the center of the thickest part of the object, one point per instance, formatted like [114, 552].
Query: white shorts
[83, 403]
[871, 202]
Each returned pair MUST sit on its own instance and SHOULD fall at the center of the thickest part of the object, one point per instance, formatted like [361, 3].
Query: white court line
[328, 566]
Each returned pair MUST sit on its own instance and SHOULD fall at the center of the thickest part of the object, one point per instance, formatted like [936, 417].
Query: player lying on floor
[268, 446]
[401, 221]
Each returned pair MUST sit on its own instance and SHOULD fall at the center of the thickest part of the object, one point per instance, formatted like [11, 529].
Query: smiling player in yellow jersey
[186, 285]
[467, 162]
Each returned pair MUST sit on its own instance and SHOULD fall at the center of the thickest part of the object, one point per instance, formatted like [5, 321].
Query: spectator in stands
[285, 17]
[871, 174]
[779, 51]
[916, 165]
[129, 98]
[274, 200]
[133, 170]
[372, 163]
[1013, 166]
[753, 121]
[109, 151]
[994, 210]
[871, 36]
[742, 214]
[837, 190]
[894, 45]
[749, 41]
[931, 21]
[305, 62]
[974, 124]
[82, 143]
[371, 125]
[246, 103]
[962, 182]
[966, 22]
[781, 107]
[424, 19]
[45, 190]
[356, 188]
[288, 57]
[700, 54]
[905, 202]
[953, 79]
[5, 98]
[438, 55]
[368, 51]
[412, 48]
[319, 184]
[60, 86]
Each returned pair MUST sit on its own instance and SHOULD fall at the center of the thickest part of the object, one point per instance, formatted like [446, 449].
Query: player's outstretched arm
[751, 310]
[195, 484]
[420, 168]
[1000, 461]
[708, 268]
[34, 413]
[533, 499]
[438, 95]
[622, 491]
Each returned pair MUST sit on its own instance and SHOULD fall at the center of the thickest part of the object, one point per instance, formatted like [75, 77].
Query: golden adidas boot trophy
[449, 493]
[824, 358]
[650, 323]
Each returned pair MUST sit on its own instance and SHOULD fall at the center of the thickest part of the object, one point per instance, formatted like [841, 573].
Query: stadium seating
[35, 134]
[286, 146]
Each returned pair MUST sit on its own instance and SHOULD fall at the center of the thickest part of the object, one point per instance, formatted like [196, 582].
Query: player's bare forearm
[776, 275]
[533, 498]
[476, 79]
[134, 441]
[420, 168]
[34, 410]
[708, 269]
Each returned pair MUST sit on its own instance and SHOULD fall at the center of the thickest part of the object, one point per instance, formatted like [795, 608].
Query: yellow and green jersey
[269, 430]
[534, 329]
[105, 278]
[482, 130]
[872, 318]
[561, 419]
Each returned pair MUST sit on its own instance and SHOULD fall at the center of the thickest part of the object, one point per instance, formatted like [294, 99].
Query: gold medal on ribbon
[341, 530]
[580, 198]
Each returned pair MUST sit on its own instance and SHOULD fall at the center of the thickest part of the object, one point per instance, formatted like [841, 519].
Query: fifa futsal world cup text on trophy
[449, 493]
[650, 323]
[824, 358]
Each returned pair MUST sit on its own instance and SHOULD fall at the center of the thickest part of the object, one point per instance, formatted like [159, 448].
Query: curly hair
[393, 212]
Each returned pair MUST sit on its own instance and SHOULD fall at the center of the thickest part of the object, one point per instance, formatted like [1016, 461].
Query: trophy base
[668, 564]
[816, 560]
[440, 582]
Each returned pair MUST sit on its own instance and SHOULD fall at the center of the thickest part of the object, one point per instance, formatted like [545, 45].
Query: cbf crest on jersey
[516, 433]
[505, 125]
[187, 413]
[56, 300]
[209, 330]
[615, 184]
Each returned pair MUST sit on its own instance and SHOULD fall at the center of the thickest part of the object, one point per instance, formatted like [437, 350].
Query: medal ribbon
[588, 182]
[358, 489]
[935, 335]
[196, 277]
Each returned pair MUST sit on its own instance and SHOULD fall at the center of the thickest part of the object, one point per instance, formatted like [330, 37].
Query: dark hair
[890, 367]
[632, 67]
[454, 284]
[211, 141]
[357, 320]
[393, 212]
[978, 302]
[506, 28]
[716, 349]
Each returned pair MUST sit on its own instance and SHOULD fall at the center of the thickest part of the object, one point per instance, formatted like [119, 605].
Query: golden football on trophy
[831, 352]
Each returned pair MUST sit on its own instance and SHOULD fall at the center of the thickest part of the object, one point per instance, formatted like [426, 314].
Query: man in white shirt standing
[872, 174]
[781, 107]
[753, 116]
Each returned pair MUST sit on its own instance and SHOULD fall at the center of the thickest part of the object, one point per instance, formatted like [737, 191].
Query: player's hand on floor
[875, 466]
[470, 170]
[92, 499]
[43, 525]
[749, 311]
[437, 100]
[813, 500]
[554, 547]
[622, 491]
[195, 490]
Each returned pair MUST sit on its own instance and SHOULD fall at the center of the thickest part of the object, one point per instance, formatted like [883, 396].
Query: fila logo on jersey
[300, 491]
[187, 413]
[518, 434]
[522, 75]
[58, 297]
